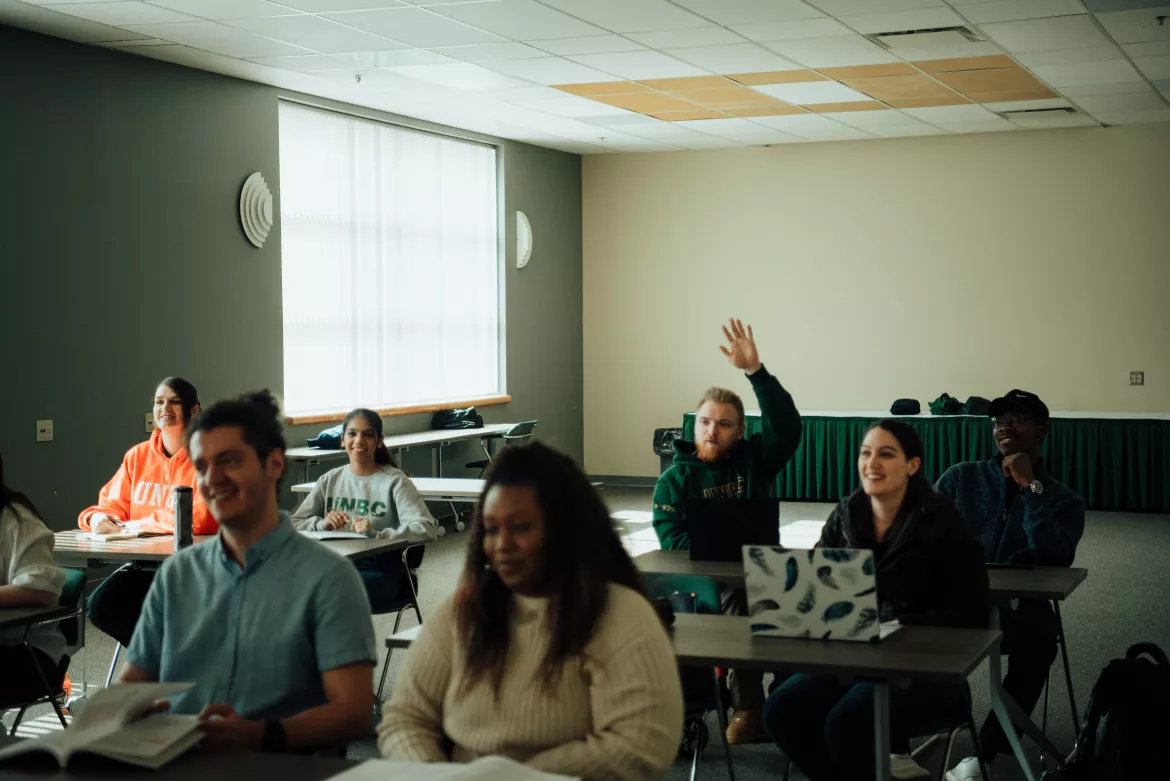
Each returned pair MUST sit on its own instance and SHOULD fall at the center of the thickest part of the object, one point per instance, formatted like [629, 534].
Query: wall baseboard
[625, 481]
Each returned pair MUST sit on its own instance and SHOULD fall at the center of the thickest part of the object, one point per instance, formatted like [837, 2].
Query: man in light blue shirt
[272, 628]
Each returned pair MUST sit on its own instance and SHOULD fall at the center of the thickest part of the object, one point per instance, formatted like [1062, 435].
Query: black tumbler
[184, 533]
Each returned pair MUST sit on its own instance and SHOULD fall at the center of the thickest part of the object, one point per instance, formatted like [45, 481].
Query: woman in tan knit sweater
[548, 653]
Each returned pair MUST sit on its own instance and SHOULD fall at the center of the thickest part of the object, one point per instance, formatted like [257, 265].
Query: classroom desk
[913, 653]
[457, 489]
[23, 616]
[1053, 584]
[436, 439]
[69, 550]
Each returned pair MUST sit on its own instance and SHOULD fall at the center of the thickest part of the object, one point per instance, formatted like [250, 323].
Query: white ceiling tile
[395, 57]
[732, 58]
[938, 114]
[846, 7]
[1054, 120]
[225, 9]
[1085, 74]
[218, 39]
[950, 51]
[1161, 84]
[1138, 101]
[1015, 10]
[313, 32]
[42, 20]
[920, 19]
[1037, 35]
[699, 140]
[987, 126]
[121, 13]
[1134, 117]
[727, 128]
[308, 62]
[731, 12]
[1064, 56]
[631, 16]
[488, 52]
[812, 92]
[692, 36]
[639, 65]
[520, 20]
[1154, 67]
[873, 120]
[1166, 94]
[903, 131]
[460, 75]
[550, 70]
[813, 127]
[415, 26]
[791, 31]
[838, 51]
[590, 44]
[326, 6]
[573, 106]
[623, 119]
[1023, 105]
[1127, 88]
[1137, 25]
[1148, 49]
[523, 93]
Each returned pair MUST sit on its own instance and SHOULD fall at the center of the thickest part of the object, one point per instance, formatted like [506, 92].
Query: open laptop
[719, 528]
[819, 593]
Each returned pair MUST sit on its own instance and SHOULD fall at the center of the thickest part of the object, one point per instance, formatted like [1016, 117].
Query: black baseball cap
[1021, 402]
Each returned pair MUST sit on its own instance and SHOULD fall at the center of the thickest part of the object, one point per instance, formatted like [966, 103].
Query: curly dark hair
[583, 555]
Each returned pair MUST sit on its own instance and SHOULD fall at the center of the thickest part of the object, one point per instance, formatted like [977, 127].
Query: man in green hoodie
[722, 464]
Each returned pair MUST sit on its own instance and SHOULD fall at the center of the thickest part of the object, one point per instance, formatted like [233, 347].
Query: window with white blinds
[390, 265]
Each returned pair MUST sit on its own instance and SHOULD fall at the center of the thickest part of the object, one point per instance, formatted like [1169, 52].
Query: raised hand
[741, 347]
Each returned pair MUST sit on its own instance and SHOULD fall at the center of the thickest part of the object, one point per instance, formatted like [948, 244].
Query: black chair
[521, 432]
[412, 556]
[73, 627]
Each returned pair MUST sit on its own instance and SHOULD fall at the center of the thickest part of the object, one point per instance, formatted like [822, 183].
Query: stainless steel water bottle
[184, 534]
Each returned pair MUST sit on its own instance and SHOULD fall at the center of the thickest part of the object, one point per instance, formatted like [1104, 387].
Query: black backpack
[1128, 718]
[457, 419]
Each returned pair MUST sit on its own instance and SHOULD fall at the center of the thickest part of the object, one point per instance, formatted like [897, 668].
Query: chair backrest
[520, 431]
[71, 595]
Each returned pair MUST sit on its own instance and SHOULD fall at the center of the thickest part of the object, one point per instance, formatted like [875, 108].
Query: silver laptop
[818, 593]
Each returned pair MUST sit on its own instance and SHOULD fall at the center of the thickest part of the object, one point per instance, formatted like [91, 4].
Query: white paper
[334, 535]
[95, 537]
[482, 769]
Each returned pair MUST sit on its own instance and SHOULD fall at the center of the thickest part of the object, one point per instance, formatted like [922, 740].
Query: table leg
[1072, 697]
[722, 714]
[881, 731]
[437, 460]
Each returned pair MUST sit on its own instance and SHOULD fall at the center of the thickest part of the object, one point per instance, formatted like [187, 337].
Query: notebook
[821, 593]
[719, 528]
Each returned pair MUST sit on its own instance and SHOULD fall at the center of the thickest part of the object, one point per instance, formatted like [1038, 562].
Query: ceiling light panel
[920, 19]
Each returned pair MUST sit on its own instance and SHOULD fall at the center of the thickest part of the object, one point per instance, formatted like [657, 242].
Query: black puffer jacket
[929, 569]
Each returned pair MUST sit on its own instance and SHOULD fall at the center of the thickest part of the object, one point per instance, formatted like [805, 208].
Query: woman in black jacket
[929, 570]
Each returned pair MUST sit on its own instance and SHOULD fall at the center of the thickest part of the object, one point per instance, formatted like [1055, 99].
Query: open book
[334, 535]
[106, 727]
[489, 768]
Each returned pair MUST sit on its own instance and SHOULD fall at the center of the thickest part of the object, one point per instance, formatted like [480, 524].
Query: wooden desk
[436, 439]
[69, 550]
[23, 616]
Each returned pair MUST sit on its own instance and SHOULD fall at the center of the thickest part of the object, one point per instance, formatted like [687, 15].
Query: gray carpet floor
[1122, 602]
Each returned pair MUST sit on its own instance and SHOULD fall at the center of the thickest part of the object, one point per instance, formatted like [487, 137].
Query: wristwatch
[1036, 486]
[275, 740]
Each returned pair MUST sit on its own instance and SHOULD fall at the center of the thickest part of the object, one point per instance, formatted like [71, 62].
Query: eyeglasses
[1013, 419]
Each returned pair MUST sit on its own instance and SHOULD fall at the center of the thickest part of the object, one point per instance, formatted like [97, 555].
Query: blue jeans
[826, 728]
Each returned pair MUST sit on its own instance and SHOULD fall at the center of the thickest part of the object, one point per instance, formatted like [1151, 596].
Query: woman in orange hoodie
[140, 498]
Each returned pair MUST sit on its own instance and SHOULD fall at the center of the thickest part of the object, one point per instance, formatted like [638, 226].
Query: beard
[708, 452]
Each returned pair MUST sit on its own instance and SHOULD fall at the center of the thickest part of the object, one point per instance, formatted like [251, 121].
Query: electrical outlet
[44, 431]
[149, 422]
[1137, 378]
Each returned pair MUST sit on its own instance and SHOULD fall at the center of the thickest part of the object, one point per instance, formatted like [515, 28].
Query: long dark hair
[382, 456]
[582, 556]
[912, 447]
[188, 396]
[11, 498]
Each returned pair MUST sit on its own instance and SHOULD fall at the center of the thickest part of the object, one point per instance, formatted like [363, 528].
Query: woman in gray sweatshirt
[370, 496]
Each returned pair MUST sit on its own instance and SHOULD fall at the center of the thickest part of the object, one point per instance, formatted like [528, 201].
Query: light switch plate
[44, 431]
[149, 422]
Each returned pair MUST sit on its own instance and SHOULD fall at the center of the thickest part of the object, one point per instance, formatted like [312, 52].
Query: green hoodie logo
[359, 507]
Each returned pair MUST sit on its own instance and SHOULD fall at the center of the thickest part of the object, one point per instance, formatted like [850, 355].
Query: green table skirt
[1113, 464]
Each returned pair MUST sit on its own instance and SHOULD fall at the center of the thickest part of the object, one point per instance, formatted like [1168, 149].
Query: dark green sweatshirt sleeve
[781, 426]
[669, 524]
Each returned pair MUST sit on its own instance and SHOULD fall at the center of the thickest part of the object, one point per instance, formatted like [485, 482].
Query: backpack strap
[1151, 650]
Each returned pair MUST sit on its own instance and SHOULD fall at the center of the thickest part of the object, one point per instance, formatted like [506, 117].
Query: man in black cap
[1022, 515]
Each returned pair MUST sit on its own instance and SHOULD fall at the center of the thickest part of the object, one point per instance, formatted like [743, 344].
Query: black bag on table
[906, 407]
[1128, 718]
[457, 419]
[977, 405]
[946, 404]
[664, 440]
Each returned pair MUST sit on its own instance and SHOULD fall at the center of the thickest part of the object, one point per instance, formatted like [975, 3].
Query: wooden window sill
[391, 412]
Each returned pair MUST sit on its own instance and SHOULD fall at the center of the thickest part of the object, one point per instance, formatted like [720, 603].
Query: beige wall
[875, 270]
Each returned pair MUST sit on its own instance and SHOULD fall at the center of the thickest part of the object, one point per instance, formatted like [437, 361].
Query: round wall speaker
[256, 209]
[523, 240]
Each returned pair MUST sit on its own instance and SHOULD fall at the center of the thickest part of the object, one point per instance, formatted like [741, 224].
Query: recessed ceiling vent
[1041, 117]
[929, 37]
